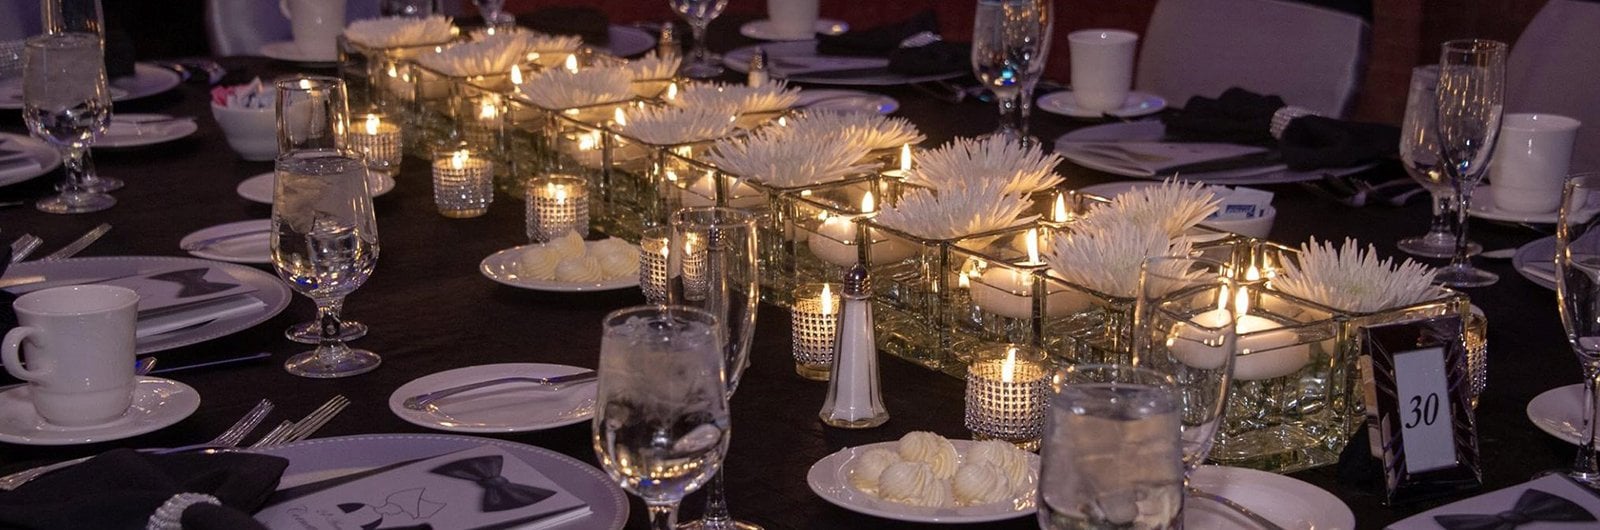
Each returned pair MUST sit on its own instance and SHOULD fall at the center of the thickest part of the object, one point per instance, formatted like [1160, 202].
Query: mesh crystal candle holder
[463, 184]
[814, 318]
[379, 141]
[557, 204]
[653, 253]
[1006, 395]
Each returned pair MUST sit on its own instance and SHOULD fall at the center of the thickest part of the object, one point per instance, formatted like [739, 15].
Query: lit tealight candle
[572, 62]
[815, 321]
[586, 148]
[1060, 215]
[835, 239]
[1265, 350]
[653, 253]
[463, 184]
[1005, 398]
[905, 164]
[379, 142]
[556, 205]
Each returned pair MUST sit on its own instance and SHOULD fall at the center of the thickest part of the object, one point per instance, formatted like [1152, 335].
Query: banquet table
[430, 310]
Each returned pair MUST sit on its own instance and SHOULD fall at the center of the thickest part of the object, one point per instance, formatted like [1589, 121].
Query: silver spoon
[421, 401]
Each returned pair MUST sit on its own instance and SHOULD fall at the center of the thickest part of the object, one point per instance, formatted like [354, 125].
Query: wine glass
[1471, 90]
[324, 238]
[699, 13]
[80, 16]
[661, 421]
[1419, 151]
[1184, 325]
[493, 13]
[1578, 293]
[65, 102]
[717, 272]
[1010, 43]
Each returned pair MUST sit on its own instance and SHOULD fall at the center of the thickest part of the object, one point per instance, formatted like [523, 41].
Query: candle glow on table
[379, 142]
[1265, 349]
[463, 184]
[838, 245]
[557, 204]
[815, 321]
[1005, 398]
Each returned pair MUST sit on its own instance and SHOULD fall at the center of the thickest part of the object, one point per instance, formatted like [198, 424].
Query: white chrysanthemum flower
[874, 131]
[1107, 257]
[956, 213]
[964, 161]
[490, 55]
[1353, 279]
[559, 88]
[651, 67]
[772, 96]
[393, 32]
[1174, 206]
[676, 125]
[537, 42]
[790, 160]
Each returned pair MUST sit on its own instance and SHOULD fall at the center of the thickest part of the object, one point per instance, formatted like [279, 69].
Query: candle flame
[783, 121]
[488, 110]
[589, 141]
[393, 72]
[827, 299]
[1033, 246]
[618, 117]
[672, 91]
[557, 192]
[1009, 368]
[868, 204]
[1061, 215]
[1241, 303]
[963, 282]
[572, 62]
[1222, 297]
[672, 176]
[459, 159]
[905, 158]
[372, 124]
[516, 76]
[305, 84]
[1252, 274]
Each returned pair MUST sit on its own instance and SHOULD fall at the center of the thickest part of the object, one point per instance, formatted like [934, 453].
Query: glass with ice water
[1111, 455]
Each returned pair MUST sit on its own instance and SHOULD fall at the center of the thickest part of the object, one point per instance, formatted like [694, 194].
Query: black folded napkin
[884, 41]
[1239, 116]
[587, 23]
[122, 488]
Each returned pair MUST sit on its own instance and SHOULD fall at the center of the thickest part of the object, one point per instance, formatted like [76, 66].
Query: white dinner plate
[511, 407]
[47, 158]
[1559, 412]
[1137, 104]
[127, 130]
[157, 403]
[847, 101]
[326, 458]
[247, 242]
[259, 188]
[1483, 207]
[288, 51]
[801, 56]
[147, 80]
[628, 41]
[1292, 504]
[1536, 262]
[268, 288]
[763, 29]
[502, 267]
[1154, 131]
[829, 478]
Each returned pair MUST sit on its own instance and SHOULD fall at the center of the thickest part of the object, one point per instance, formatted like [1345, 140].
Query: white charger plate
[1559, 412]
[157, 403]
[1153, 130]
[147, 80]
[1290, 503]
[259, 188]
[48, 158]
[325, 458]
[253, 244]
[139, 135]
[1135, 105]
[1535, 261]
[829, 478]
[738, 60]
[763, 29]
[846, 101]
[502, 267]
[512, 407]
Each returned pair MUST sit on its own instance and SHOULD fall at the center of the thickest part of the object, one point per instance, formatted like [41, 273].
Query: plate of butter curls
[924, 477]
[567, 264]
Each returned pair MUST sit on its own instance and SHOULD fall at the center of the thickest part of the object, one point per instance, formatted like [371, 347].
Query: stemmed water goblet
[1471, 91]
[699, 13]
[717, 271]
[324, 238]
[65, 102]
[1010, 43]
[86, 17]
[661, 422]
[1577, 263]
[1419, 152]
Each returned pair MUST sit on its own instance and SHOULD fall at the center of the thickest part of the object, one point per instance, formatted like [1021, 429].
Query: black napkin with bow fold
[1308, 142]
[122, 488]
[937, 57]
[586, 22]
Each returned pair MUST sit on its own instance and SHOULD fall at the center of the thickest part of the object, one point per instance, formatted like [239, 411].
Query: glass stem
[698, 32]
[78, 167]
[663, 516]
[329, 346]
[716, 515]
[1586, 466]
[1443, 206]
[1013, 114]
[1458, 226]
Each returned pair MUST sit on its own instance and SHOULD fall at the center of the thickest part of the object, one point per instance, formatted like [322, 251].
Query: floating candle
[1265, 349]
[1008, 291]
[838, 235]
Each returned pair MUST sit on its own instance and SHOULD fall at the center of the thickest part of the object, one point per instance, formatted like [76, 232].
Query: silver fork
[287, 432]
[23, 246]
[229, 438]
[76, 246]
[1266, 524]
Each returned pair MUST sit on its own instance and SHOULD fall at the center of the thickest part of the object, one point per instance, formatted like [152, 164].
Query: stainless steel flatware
[214, 241]
[24, 245]
[83, 242]
[1254, 517]
[311, 423]
[421, 401]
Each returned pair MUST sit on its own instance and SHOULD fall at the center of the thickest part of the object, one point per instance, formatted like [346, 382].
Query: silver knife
[83, 242]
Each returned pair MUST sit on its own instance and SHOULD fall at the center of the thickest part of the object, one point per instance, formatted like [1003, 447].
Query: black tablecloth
[430, 310]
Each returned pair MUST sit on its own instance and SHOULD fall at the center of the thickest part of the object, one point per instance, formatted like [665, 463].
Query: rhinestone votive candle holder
[814, 319]
[463, 184]
[1006, 396]
[557, 204]
[378, 139]
[653, 253]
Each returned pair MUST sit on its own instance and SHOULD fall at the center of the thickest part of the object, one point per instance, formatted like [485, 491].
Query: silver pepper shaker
[758, 68]
[667, 45]
[854, 397]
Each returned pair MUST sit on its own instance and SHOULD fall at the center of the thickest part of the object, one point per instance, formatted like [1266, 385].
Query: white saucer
[847, 101]
[47, 158]
[127, 131]
[829, 478]
[1288, 502]
[287, 51]
[1137, 104]
[763, 29]
[157, 403]
[1483, 207]
[253, 245]
[502, 267]
[259, 187]
[512, 407]
[1559, 412]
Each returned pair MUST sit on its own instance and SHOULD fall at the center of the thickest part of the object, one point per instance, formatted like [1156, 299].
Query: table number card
[1424, 426]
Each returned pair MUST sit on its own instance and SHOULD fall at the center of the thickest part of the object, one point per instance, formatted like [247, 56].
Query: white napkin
[1153, 158]
[1544, 511]
[186, 316]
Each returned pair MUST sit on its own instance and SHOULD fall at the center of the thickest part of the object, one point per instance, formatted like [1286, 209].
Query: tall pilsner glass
[1471, 90]
[661, 421]
[324, 237]
[699, 13]
[1010, 42]
[65, 102]
[1419, 151]
[717, 272]
[80, 16]
[1578, 292]
[305, 131]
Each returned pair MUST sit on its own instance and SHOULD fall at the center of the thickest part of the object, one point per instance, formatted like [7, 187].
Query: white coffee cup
[1530, 161]
[78, 359]
[316, 24]
[1102, 67]
[793, 19]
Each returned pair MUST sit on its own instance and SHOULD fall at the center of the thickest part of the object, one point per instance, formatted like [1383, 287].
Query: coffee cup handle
[10, 345]
[283, 7]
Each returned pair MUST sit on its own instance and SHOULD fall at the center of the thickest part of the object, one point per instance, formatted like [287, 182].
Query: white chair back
[1550, 70]
[1310, 56]
[242, 27]
[19, 19]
